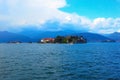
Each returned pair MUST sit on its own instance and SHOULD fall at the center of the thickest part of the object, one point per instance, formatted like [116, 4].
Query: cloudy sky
[99, 16]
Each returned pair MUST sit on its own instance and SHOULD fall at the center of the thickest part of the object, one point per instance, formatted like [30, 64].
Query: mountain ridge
[6, 36]
[115, 36]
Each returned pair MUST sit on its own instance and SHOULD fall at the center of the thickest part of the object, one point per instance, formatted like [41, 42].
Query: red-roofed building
[47, 40]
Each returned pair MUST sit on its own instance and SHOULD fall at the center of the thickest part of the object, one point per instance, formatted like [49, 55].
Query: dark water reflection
[92, 61]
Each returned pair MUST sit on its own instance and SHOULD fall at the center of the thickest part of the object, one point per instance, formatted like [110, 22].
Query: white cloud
[19, 13]
[31, 11]
[106, 25]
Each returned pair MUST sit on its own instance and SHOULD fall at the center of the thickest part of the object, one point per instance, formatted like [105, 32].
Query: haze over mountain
[9, 36]
[114, 36]
[6, 36]
[93, 37]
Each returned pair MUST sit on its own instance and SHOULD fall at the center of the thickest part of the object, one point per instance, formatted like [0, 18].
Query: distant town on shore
[61, 37]
[63, 40]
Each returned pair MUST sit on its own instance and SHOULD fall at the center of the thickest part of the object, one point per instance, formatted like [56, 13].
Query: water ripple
[92, 61]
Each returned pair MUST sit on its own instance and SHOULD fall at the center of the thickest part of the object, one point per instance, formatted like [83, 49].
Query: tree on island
[70, 39]
[60, 39]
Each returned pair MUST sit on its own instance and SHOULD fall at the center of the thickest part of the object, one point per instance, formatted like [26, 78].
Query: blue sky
[98, 16]
[94, 8]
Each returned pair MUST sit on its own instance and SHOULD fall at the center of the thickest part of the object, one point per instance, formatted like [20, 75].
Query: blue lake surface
[91, 61]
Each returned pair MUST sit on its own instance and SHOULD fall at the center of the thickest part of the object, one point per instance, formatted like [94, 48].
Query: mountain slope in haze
[93, 37]
[37, 35]
[8, 36]
[114, 36]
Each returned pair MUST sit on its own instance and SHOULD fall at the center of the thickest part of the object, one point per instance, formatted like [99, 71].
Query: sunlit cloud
[17, 14]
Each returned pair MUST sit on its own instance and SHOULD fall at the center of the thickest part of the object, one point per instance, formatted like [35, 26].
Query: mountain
[93, 37]
[38, 35]
[114, 36]
[9, 36]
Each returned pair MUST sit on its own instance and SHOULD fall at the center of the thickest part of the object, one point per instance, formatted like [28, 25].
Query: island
[64, 39]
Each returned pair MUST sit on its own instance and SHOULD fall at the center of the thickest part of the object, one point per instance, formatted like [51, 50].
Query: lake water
[91, 61]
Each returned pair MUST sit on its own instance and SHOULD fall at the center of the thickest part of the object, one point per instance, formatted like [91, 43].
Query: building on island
[63, 39]
[47, 40]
